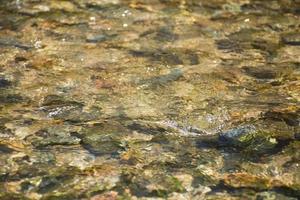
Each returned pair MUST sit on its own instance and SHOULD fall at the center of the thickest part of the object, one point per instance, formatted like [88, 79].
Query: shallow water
[160, 99]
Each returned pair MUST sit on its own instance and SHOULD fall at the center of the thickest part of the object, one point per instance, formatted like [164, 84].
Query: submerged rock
[291, 39]
[290, 118]
[272, 196]
[53, 136]
[261, 72]
[165, 127]
[96, 38]
[228, 45]
[163, 80]
[15, 43]
[248, 138]
[5, 149]
[152, 183]
[169, 56]
[102, 144]
[58, 107]
[58, 140]
[103, 139]
[11, 98]
[165, 34]
[49, 183]
[4, 83]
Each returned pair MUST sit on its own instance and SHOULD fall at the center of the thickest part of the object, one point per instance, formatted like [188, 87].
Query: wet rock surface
[178, 99]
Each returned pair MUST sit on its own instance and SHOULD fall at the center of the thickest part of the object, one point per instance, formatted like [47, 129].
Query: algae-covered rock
[50, 183]
[238, 180]
[249, 139]
[151, 183]
[57, 135]
[103, 139]
[56, 140]
[100, 144]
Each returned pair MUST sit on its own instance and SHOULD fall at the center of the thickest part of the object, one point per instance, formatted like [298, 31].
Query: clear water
[160, 99]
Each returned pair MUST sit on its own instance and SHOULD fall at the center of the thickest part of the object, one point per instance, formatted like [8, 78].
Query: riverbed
[154, 99]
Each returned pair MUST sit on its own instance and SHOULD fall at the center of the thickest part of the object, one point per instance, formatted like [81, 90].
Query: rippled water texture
[149, 99]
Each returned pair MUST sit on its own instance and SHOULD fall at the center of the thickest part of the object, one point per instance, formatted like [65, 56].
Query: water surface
[160, 99]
